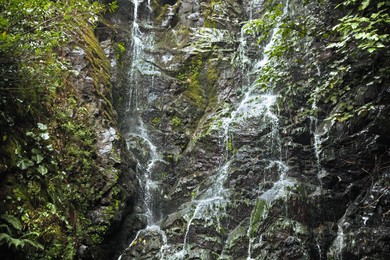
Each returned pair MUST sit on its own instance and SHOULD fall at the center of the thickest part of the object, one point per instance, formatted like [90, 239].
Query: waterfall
[319, 132]
[315, 131]
[336, 249]
[141, 68]
[141, 61]
[150, 186]
[209, 203]
[228, 168]
[254, 104]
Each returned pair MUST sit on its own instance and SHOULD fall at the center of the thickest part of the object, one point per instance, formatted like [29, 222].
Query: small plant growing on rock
[175, 121]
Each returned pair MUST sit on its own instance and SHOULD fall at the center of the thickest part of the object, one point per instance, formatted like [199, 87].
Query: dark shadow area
[169, 2]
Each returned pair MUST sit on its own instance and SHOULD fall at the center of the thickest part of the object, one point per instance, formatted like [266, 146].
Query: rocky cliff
[194, 129]
[244, 148]
[65, 177]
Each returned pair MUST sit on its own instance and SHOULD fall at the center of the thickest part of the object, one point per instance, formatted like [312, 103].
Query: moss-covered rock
[63, 177]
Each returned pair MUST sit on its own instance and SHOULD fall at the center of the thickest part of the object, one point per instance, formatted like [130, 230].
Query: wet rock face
[356, 158]
[231, 176]
[115, 182]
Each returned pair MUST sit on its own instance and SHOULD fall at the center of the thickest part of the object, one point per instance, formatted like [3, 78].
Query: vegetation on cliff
[330, 66]
[50, 172]
[334, 49]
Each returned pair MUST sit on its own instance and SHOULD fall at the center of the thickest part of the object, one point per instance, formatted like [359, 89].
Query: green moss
[176, 121]
[161, 11]
[164, 175]
[200, 79]
[156, 121]
[120, 50]
[209, 21]
[258, 214]
[194, 89]
[230, 145]
[287, 226]
[172, 158]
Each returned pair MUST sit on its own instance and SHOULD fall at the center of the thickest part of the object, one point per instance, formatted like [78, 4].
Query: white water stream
[318, 132]
[208, 204]
[253, 105]
[336, 250]
[139, 68]
[140, 59]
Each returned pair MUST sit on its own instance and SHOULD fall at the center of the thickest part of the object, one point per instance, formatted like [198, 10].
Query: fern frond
[33, 244]
[15, 222]
[10, 241]
[29, 234]
[6, 227]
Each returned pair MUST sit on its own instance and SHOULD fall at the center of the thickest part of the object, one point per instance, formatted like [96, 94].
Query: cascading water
[137, 47]
[222, 175]
[141, 68]
[318, 132]
[208, 205]
[142, 43]
[336, 249]
[253, 105]
[150, 186]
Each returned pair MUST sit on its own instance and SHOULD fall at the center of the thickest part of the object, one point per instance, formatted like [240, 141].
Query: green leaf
[354, 25]
[364, 4]
[380, 4]
[37, 158]
[361, 35]
[5, 238]
[24, 164]
[42, 126]
[45, 136]
[50, 147]
[29, 234]
[10, 241]
[42, 169]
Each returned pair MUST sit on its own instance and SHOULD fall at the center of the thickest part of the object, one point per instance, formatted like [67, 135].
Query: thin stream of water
[211, 201]
[278, 190]
[139, 68]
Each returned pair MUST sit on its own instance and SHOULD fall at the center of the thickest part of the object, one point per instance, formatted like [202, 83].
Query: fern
[13, 221]
[33, 244]
[11, 241]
